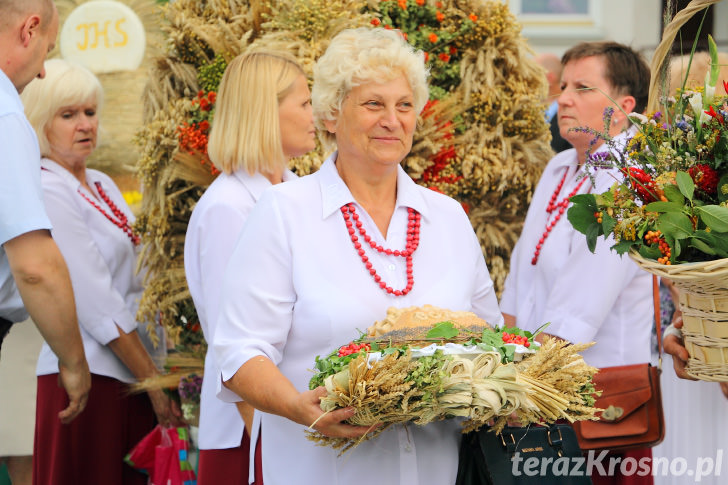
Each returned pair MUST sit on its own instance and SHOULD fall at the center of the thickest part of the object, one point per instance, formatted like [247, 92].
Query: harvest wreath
[425, 364]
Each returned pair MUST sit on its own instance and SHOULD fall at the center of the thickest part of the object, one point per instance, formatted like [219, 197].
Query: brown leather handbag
[631, 400]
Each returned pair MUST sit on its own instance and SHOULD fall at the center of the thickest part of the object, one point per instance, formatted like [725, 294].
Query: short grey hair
[360, 56]
[65, 84]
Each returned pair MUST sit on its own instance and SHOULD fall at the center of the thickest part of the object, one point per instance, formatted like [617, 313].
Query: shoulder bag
[631, 400]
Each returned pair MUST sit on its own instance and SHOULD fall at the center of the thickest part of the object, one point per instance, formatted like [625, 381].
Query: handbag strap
[658, 326]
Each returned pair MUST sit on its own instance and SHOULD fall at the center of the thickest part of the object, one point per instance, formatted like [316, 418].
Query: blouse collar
[335, 194]
[257, 183]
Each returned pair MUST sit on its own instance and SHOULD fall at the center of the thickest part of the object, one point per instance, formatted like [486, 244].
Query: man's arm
[42, 279]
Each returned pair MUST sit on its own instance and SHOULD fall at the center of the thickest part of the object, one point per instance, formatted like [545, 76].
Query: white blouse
[587, 297]
[212, 232]
[296, 288]
[102, 263]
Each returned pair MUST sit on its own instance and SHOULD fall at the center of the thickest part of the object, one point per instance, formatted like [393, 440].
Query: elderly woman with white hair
[298, 284]
[92, 227]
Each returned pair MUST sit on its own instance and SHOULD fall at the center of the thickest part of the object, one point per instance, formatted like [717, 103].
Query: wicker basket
[704, 305]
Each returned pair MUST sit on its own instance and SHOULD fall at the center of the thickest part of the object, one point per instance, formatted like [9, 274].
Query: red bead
[552, 205]
[412, 243]
[121, 221]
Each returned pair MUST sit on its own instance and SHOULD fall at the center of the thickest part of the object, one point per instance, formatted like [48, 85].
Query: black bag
[531, 455]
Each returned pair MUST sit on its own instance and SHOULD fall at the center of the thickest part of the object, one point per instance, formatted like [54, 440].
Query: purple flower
[657, 115]
[682, 124]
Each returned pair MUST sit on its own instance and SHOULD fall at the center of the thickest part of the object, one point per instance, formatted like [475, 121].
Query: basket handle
[661, 56]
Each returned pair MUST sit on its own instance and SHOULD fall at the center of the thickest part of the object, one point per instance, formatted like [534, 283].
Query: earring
[615, 121]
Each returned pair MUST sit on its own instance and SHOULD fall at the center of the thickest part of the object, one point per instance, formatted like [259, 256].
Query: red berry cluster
[655, 237]
[598, 216]
[511, 338]
[353, 348]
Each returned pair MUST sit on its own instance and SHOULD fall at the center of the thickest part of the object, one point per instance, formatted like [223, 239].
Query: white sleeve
[258, 295]
[100, 307]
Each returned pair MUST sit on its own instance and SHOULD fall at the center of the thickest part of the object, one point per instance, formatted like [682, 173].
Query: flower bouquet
[669, 210]
[452, 365]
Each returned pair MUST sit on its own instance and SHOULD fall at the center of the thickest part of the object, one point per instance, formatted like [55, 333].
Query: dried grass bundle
[543, 387]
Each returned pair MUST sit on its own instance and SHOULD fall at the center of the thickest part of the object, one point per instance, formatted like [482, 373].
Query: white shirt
[296, 288]
[102, 263]
[212, 233]
[587, 297]
[21, 196]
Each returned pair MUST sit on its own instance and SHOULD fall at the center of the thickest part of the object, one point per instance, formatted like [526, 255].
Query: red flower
[432, 38]
[444, 57]
[402, 4]
[705, 177]
[427, 57]
[440, 16]
[388, 27]
[205, 105]
[376, 22]
[212, 96]
[420, 2]
[453, 50]
[473, 17]
[438, 4]
[642, 184]
[204, 125]
[715, 115]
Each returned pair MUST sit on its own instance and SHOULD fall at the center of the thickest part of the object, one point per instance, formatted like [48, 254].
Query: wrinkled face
[295, 115]
[42, 42]
[376, 123]
[72, 134]
[580, 107]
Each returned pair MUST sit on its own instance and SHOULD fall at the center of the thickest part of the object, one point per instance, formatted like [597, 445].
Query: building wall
[633, 22]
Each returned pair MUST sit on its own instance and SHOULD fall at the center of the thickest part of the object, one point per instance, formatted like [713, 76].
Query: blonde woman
[262, 119]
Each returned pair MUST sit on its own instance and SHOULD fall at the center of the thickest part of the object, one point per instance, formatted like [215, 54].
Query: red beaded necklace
[551, 207]
[121, 220]
[413, 240]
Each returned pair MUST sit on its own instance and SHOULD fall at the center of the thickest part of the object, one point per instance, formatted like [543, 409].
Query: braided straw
[661, 57]
[704, 305]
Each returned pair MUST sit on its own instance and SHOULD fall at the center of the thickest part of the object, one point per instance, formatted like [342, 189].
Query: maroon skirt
[229, 466]
[91, 449]
[637, 470]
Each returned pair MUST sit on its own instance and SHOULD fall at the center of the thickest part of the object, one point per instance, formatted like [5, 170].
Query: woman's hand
[724, 388]
[260, 383]
[166, 409]
[673, 345]
[330, 424]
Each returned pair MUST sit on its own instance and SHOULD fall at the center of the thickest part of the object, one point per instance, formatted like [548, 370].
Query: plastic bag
[162, 454]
